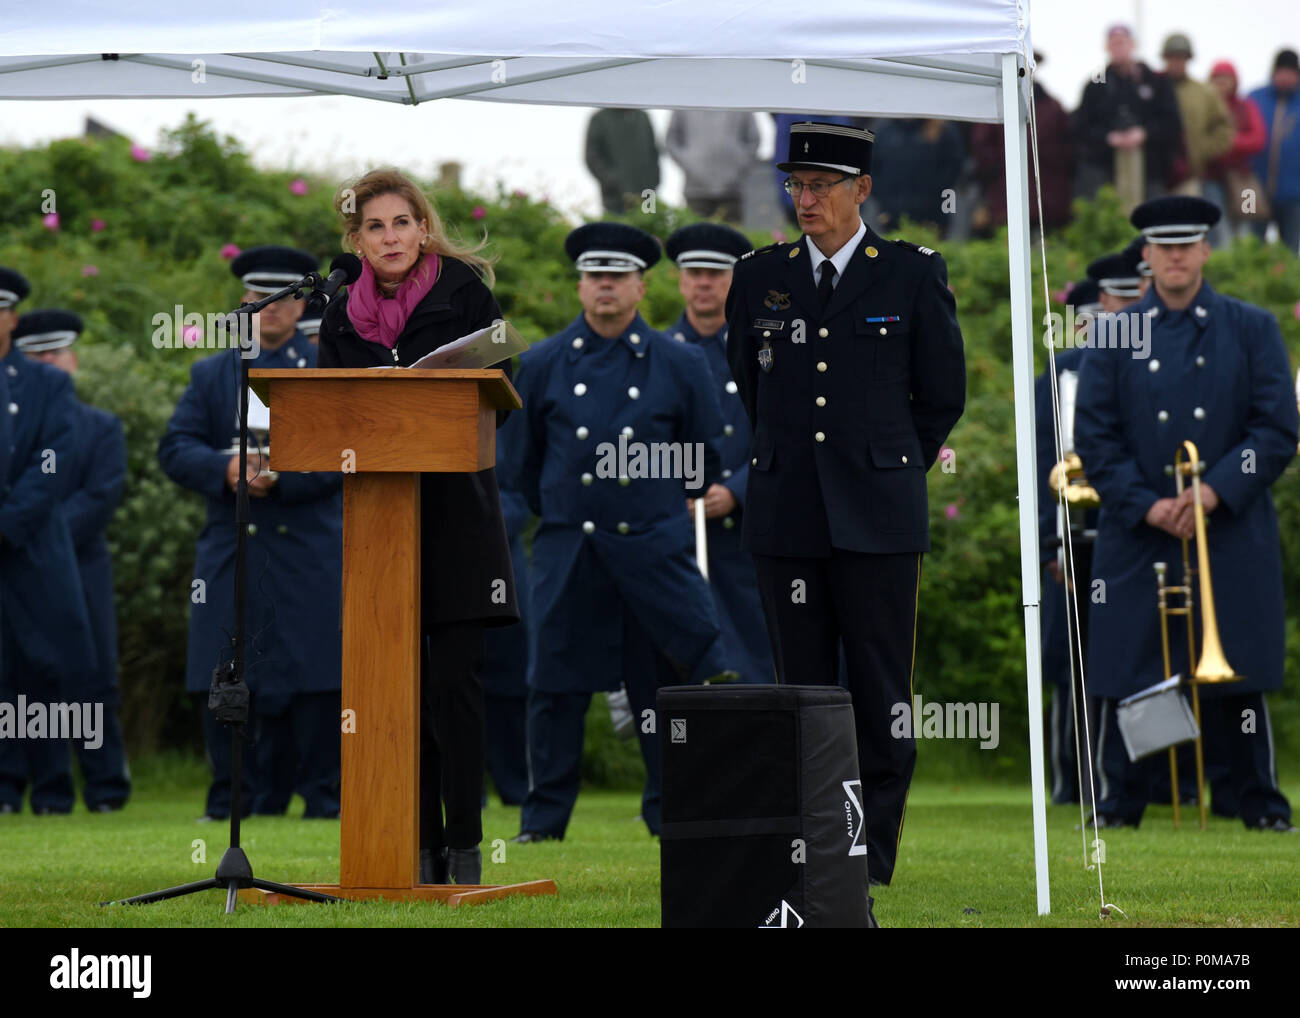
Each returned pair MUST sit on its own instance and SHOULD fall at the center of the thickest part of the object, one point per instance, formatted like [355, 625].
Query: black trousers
[299, 751]
[451, 736]
[867, 603]
[507, 746]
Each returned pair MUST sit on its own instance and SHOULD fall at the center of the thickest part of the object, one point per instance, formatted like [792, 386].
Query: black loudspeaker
[762, 817]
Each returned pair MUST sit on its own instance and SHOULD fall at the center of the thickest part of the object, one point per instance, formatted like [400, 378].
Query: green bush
[167, 217]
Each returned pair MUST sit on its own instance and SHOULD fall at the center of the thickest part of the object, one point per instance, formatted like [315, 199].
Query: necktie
[827, 284]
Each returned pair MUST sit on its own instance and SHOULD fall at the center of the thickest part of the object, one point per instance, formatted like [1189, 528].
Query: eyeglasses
[819, 188]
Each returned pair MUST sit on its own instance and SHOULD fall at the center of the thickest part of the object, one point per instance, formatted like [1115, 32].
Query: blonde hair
[352, 196]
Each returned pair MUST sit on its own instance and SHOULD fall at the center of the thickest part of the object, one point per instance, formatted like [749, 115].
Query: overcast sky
[539, 148]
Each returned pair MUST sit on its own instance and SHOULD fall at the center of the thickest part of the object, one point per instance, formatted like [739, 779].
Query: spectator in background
[1278, 165]
[1207, 128]
[623, 156]
[1128, 128]
[714, 148]
[917, 174]
[1055, 157]
[1229, 177]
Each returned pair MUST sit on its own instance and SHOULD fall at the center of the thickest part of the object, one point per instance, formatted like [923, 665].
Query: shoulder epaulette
[916, 247]
[758, 251]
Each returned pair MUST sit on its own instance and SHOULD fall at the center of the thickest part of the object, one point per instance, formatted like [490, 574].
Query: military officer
[97, 479]
[295, 553]
[619, 424]
[850, 364]
[45, 638]
[1057, 611]
[705, 254]
[1217, 374]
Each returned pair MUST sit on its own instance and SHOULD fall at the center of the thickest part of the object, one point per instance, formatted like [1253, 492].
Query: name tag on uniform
[771, 324]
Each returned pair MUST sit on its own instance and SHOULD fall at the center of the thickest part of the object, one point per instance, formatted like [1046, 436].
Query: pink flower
[96, 225]
[951, 512]
[140, 154]
[945, 452]
[518, 193]
[191, 335]
[51, 221]
[298, 186]
[229, 251]
[478, 213]
[89, 270]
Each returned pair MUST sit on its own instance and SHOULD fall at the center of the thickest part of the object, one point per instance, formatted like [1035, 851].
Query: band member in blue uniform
[295, 562]
[850, 364]
[620, 424]
[705, 254]
[1217, 373]
[96, 482]
[1117, 278]
[45, 637]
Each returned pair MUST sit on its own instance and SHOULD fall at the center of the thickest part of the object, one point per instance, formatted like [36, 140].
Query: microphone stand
[228, 699]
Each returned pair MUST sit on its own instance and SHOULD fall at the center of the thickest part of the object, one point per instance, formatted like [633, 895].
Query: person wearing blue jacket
[97, 482]
[295, 564]
[619, 425]
[1278, 164]
[44, 633]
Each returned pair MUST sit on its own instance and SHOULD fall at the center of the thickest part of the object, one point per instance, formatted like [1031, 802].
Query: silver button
[582, 432]
[821, 365]
[252, 530]
[1162, 416]
[302, 362]
[766, 333]
[13, 408]
[726, 474]
[624, 480]
[634, 338]
[623, 528]
[580, 389]
[823, 332]
[12, 370]
[1200, 362]
[587, 479]
[628, 431]
[1153, 366]
[1153, 312]
[679, 337]
[588, 527]
[728, 523]
[633, 393]
[1200, 311]
[1199, 413]
[281, 529]
[821, 400]
[904, 459]
[728, 430]
[577, 342]
[754, 462]
[820, 436]
[884, 331]
[1169, 470]
[732, 388]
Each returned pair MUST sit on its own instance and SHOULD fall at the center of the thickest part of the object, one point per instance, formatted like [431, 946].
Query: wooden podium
[382, 429]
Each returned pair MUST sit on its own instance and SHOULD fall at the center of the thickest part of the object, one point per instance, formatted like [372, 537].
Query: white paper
[482, 349]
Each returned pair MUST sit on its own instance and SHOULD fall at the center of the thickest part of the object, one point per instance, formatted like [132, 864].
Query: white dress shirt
[840, 259]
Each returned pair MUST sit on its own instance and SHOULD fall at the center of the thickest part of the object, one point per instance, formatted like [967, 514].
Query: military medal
[765, 357]
[776, 301]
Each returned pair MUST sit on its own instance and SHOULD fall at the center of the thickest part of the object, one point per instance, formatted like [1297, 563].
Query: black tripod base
[233, 873]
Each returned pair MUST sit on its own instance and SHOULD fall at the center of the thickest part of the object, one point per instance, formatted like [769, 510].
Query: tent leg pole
[1022, 337]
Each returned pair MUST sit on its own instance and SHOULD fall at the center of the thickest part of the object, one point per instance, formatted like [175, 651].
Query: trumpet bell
[1067, 478]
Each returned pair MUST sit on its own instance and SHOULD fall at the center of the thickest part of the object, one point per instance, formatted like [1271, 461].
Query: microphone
[345, 270]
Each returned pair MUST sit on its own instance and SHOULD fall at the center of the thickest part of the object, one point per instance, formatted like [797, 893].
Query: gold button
[821, 400]
[821, 365]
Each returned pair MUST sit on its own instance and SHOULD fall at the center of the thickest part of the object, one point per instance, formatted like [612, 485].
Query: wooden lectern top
[384, 420]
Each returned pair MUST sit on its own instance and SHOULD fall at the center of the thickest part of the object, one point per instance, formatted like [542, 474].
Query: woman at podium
[418, 291]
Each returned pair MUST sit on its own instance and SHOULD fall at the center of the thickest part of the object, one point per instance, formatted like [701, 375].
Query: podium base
[448, 894]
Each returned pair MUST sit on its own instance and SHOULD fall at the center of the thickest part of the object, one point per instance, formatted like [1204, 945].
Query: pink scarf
[379, 319]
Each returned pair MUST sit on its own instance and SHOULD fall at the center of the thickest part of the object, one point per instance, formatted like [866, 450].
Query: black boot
[465, 865]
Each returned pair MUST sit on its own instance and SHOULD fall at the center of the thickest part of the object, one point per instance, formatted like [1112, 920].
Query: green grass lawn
[967, 860]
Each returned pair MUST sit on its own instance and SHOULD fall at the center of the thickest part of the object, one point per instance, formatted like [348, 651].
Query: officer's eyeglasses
[819, 188]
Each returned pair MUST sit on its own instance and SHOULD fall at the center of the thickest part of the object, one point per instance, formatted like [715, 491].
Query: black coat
[463, 543]
[849, 406]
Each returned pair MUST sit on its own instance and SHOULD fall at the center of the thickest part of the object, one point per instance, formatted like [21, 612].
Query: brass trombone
[1211, 666]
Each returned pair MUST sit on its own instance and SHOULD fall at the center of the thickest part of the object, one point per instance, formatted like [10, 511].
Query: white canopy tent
[952, 59]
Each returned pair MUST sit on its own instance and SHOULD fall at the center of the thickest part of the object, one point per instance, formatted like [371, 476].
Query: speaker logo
[783, 912]
[854, 817]
[678, 729]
